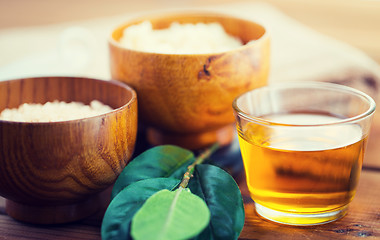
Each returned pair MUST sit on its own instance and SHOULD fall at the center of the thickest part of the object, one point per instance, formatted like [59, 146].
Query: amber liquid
[309, 170]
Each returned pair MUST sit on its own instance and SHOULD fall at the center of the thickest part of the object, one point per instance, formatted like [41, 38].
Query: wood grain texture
[52, 165]
[190, 94]
[361, 222]
[12, 229]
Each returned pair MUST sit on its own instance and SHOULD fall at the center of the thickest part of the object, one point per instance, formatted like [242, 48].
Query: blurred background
[328, 40]
[356, 22]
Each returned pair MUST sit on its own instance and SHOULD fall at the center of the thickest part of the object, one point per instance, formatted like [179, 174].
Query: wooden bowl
[51, 172]
[186, 99]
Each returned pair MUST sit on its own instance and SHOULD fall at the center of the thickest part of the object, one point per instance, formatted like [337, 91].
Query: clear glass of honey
[303, 146]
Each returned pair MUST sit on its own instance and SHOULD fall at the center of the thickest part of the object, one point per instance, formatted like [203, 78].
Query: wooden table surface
[356, 22]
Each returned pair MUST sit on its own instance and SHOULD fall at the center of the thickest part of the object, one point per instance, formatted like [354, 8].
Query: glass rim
[312, 84]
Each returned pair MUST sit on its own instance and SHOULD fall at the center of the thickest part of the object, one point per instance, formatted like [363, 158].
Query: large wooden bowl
[52, 172]
[186, 99]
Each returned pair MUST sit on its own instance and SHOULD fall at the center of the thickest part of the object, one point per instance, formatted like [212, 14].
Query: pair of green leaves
[162, 168]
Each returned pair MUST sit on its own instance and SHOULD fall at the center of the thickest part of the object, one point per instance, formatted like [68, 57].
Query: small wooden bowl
[186, 99]
[51, 172]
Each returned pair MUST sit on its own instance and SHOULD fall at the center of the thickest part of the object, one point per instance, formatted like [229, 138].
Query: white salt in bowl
[186, 99]
[52, 172]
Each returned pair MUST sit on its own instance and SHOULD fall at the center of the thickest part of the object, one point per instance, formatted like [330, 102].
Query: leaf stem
[190, 169]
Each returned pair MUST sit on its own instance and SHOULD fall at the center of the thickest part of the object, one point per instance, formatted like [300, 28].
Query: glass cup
[303, 146]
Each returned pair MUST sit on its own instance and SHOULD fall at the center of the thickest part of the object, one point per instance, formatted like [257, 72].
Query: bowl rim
[165, 14]
[113, 82]
[339, 88]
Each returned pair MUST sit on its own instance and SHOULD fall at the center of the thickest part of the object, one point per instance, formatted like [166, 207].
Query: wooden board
[362, 221]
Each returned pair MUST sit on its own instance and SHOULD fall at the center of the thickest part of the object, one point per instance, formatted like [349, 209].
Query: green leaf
[161, 161]
[222, 195]
[119, 214]
[170, 215]
[216, 187]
